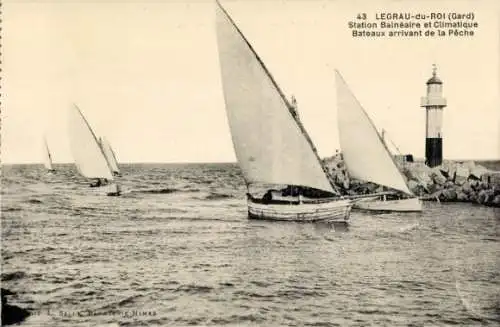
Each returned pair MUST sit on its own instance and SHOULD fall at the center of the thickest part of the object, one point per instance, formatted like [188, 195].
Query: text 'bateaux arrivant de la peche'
[413, 25]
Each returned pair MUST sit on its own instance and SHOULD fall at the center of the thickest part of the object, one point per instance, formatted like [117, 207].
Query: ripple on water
[180, 245]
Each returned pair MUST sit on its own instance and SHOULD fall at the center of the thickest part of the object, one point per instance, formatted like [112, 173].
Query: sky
[146, 75]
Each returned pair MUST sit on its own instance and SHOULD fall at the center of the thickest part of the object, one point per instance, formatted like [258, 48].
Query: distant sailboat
[367, 158]
[47, 162]
[270, 143]
[89, 157]
[110, 155]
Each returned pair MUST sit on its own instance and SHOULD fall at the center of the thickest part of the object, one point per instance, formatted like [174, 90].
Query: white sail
[269, 143]
[88, 155]
[365, 154]
[47, 160]
[110, 154]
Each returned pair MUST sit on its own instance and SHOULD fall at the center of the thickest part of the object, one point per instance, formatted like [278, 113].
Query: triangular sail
[88, 155]
[47, 160]
[269, 143]
[364, 152]
[110, 155]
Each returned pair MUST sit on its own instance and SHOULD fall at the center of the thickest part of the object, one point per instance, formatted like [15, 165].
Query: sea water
[177, 249]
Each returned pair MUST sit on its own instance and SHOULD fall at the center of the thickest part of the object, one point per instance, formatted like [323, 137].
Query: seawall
[453, 181]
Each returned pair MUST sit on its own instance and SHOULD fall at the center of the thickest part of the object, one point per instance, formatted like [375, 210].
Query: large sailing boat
[47, 158]
[110, 155]
[367, 158]
[90, 159]
[270, 143]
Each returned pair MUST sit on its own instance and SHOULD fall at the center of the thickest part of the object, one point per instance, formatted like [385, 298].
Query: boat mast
[101, 145]
[48, 152]
[390, 140]
[114, 156]
[47, 148]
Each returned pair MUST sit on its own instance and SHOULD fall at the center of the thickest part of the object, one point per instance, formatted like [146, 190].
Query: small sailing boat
[270, 143]
[47, 162]
[367, 158]
[110, 155]
[90, 159]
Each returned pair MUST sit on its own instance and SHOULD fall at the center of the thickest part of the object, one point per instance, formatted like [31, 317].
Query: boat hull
[108, 189]
[114, 190]
[400, 205]
[325, 211]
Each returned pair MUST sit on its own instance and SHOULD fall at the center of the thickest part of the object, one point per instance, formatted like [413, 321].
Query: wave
[128, 300]
[166, 190]
[238, 319]
[296, 294]
[194, 289]
[10, 209]
[34, 201]
[226, 284]
[409, 228]
[218, 196]
[13, 275]
[253, 295]
[158, 191]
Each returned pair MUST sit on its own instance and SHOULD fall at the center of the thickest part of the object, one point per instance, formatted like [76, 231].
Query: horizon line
[223, 162]
[125, 162]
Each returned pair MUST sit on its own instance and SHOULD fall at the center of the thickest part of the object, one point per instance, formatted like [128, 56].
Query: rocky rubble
[453, 181]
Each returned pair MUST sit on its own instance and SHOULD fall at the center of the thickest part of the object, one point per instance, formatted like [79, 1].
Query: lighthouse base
[433, 151]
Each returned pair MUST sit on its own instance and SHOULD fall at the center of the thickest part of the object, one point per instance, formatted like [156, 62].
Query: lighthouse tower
[433, 104]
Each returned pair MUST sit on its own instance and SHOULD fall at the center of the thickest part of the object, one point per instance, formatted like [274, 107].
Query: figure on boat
[309, 192]
[294, 108]
[291, 194]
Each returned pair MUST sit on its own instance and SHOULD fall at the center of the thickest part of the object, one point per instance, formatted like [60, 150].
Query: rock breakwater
[453, 181]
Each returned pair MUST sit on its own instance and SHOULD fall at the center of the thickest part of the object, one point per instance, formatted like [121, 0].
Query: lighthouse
[434, 104]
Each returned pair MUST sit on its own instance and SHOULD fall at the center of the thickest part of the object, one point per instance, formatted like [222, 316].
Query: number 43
[362, 16]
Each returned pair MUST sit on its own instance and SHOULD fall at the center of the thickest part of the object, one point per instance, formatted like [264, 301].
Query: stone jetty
[453, 181]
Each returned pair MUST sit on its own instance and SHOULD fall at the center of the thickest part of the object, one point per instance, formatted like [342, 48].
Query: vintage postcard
[250, 163]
